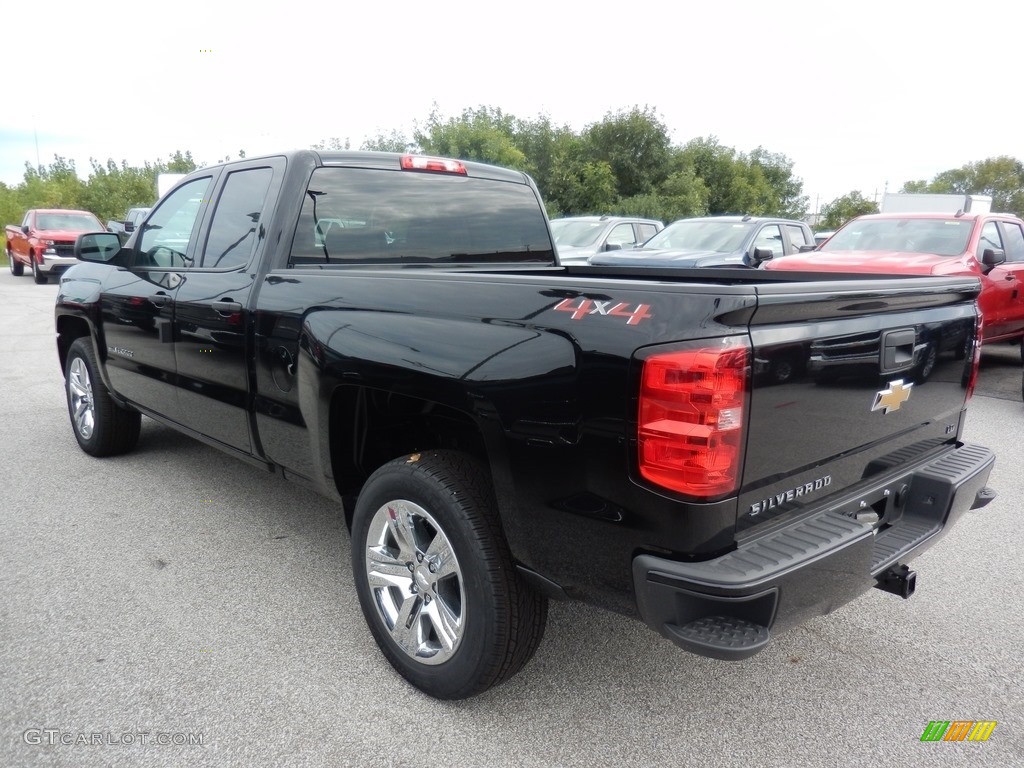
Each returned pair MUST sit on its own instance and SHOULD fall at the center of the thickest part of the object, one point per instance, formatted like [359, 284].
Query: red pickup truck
[989, 246]
[45, 241]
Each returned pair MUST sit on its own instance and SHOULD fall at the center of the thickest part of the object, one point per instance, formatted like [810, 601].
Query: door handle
[159, 299]
[226, 307]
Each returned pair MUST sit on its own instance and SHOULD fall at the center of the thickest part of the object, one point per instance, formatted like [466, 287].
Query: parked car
[124, 227]
[577, 238]
[989, 246]
[716, 241]
[45, 241]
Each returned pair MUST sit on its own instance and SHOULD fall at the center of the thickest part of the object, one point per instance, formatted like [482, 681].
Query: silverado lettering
[793, 493]
[396, 332]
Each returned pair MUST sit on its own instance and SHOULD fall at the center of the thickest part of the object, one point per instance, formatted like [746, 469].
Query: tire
[435, 577]
[41, 278]
[929, 358]
[16, 267]
[101, 426]
[783, 369]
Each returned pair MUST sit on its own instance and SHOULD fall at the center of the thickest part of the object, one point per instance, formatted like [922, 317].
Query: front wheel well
[370, 427]
[69, 329]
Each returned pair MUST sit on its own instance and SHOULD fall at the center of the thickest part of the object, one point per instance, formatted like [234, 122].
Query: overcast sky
[859, 95]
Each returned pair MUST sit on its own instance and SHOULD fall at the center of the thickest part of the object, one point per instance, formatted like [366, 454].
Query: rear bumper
[728, 607]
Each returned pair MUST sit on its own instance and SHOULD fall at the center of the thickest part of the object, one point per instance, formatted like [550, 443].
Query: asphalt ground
[177, 595]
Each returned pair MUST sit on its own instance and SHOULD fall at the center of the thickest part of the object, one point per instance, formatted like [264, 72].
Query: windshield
[702, 235]
[84, 222]
[943, 237]
[576, 234]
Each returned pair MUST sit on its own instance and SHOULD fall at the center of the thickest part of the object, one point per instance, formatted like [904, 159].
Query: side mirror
[129, 226]
[993, 257]
[612, 247]
[100, 247]
[807, 248]
[760, 255]
[24, 229]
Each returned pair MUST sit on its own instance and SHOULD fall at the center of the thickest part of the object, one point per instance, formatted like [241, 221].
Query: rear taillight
[691, 417]
[975, 358]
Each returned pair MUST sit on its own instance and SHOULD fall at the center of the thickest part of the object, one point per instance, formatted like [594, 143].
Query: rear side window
[797, 235]
[1014, 241]
[647, 231]
[236, 222]
[372, 216]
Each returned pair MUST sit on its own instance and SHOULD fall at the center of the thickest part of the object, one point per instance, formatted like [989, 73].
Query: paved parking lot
[176, 595]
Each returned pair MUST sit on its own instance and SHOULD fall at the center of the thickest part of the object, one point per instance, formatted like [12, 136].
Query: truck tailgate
[887, 370]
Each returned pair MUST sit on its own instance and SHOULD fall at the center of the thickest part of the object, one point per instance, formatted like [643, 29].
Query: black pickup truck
[500, 429]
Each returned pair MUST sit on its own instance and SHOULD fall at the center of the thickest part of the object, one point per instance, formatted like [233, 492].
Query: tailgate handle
[897, 350]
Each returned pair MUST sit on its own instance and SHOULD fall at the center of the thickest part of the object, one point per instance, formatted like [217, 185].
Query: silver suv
[577, 238]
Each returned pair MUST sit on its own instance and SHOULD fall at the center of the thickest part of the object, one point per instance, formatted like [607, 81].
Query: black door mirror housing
[993, 257]
[99, 247]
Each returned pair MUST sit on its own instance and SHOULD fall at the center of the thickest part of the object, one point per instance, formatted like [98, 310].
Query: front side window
[989, 239]
[234, 230]
[770, 239]
[366, 216]
[622, 235]
[166, 236]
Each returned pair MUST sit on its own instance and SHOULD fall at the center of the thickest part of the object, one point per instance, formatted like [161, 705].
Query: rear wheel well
[370, 427]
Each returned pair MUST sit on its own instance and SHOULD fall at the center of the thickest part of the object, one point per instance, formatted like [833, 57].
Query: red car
[45, 241]
[987, 245]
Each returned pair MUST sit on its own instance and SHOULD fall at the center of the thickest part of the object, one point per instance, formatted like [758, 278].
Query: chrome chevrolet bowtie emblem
[892, 398]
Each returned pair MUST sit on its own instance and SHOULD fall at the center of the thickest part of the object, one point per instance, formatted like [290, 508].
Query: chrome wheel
[83, 409]
[415, 580]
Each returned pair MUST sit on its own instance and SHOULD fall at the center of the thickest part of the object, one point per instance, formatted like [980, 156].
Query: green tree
[392, 142]
[577, 184]
[112, 189]
[179, 163]
[786, 197]
[724, 175]
[333, 143]
[483, 134]
[844, 208]
[636, 146]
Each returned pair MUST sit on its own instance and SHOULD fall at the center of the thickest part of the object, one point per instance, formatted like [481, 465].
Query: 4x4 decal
[580, 308]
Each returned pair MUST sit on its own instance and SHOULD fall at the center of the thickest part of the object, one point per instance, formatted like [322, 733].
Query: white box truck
[906, 202]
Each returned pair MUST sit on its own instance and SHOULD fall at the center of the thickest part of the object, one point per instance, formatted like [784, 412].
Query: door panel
[212, 346]
[137, 305]
[136, 310]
